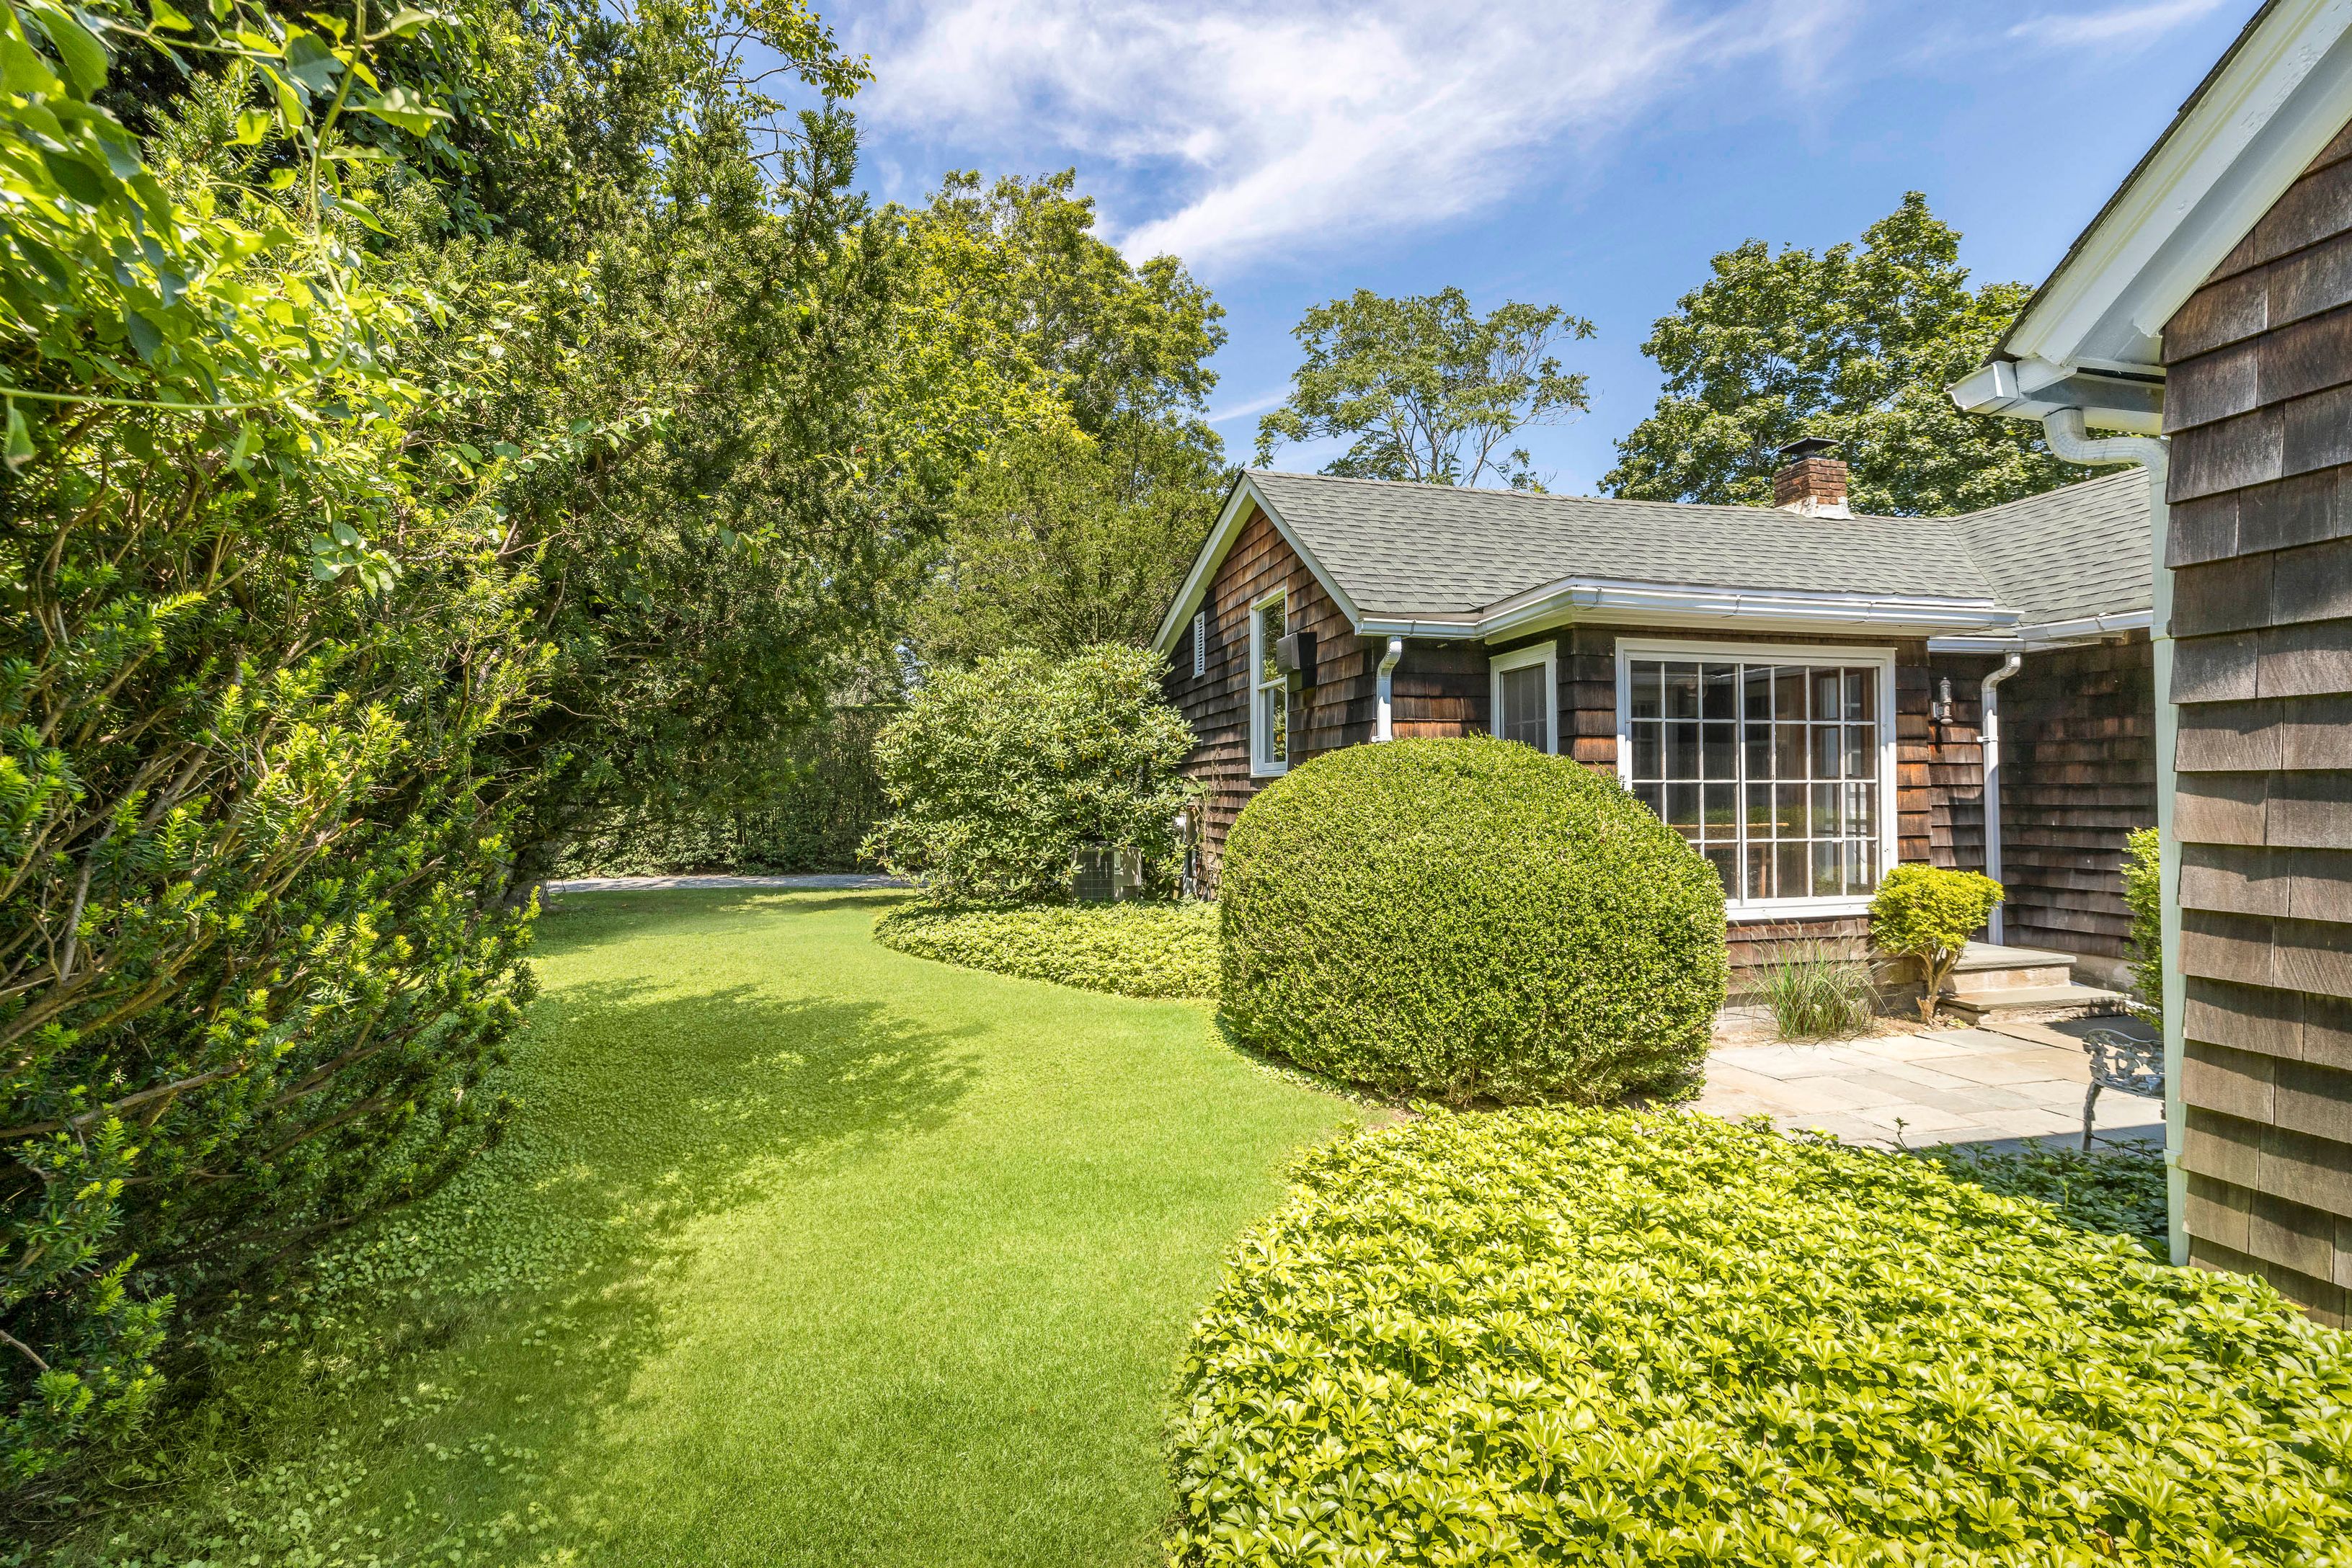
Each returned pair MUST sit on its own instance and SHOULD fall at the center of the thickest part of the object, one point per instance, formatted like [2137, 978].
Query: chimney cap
[1806, 446]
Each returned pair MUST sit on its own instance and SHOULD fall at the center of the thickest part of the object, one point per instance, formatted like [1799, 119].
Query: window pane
[1720, 748]
[1825, 824]
[1829, 877]
[1861, 740]
[1789, 810]
[1789, 692]
[1862, 865]
[1861, 810]
[1759, 810]
[1642, 688]
[1862, 694]
[1652, 795]
[1759, 750]
[1523, 719]
[1681, 691]
[1649, 752]
[1789, 870]
[1725, 858]
[1722, 807]
[1825, 694]
[1825, 751]
[1271, 619]
[1682, 806]
[1788, 752]
[1759, 871]
[1721, 682]
[1682, 751]
[1758, 682]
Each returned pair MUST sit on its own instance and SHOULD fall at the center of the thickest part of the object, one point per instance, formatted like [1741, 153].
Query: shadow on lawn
[513, 1310]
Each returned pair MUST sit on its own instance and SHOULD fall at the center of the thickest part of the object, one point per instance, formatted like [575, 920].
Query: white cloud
[1257, 129]
[2125, 25]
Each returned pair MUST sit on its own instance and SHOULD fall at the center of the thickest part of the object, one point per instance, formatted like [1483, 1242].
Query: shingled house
[1802, 692]
[2206, 313]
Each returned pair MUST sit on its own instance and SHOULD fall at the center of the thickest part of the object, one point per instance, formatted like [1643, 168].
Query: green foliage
[1855, 344]
[1075, 530]
[1817, 993]
[1134, 949]
[1928, 915]
[1423, 389]
[1562, 1335]
[1469, 918]
[2144, 894]
[997, 774]
[254, 651]
[2116, 1190]
[813, 819]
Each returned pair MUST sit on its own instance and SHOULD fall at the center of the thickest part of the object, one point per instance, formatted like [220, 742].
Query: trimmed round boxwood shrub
[1469, 918]
[1570, 1335]
[1133, 950]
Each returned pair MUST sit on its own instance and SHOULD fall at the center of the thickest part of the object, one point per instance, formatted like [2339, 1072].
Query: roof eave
[1239, 499]
[1612, 600]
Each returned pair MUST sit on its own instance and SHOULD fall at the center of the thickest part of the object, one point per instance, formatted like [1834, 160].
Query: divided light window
[1269, 694]
[1770, 770]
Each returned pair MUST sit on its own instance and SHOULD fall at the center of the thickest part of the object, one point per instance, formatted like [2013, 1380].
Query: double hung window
[1525, 696]
[1269, 693]
[1775, 763]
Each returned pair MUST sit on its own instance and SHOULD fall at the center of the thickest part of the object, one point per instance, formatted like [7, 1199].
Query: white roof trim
[1212, 555]
[2047, 635]
[2275, 101]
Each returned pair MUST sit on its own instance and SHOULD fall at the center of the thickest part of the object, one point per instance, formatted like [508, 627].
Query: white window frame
[1546, 653]
[1819, 654]
[1260, 767]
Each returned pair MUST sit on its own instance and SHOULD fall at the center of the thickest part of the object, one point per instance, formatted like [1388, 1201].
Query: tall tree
[1424, 389]
[1857, 344]
[1077, 528]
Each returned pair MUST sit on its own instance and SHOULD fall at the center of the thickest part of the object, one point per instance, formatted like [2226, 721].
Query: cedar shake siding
[1337, 711]
[2259, 407]
[2078, 774]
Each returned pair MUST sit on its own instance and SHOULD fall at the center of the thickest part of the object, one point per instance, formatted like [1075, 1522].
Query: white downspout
[1988, 737]
[2065, 428]
[1384, 728]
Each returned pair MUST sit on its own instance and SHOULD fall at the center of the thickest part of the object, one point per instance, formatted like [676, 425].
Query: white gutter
[1988, 737]
[1383, 728]
[2046, 635]
[2065, 429]
[1587, 598]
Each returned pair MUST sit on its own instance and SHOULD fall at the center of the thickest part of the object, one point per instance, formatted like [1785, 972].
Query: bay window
[1269, 691]
[1777, 764]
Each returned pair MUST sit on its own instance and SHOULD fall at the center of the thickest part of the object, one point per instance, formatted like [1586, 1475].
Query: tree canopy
[1076, 529]
[1422, 388]
[1855, 344]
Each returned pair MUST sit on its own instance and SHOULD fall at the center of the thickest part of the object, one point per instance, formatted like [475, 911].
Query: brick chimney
[1811, 483]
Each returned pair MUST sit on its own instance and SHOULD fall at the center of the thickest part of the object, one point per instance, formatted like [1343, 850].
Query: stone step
[2035, 1004]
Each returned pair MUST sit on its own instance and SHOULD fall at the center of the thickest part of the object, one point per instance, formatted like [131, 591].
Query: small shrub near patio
[2116, 1190]
[1928, 915]
[1564, 1335]
[1134, 949]
[1468, 918]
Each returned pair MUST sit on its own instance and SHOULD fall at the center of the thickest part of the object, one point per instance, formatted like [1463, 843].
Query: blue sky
[1592, 154]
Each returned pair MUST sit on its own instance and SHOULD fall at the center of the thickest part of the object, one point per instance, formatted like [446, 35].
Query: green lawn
[801, 1252]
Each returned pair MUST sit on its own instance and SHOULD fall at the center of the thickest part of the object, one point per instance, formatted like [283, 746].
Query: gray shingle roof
[1398, 548]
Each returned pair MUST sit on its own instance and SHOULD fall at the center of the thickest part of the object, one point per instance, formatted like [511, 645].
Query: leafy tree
[1857, 344]
[999, 771]
[1424, 389]
[1928, 914]
[1078, 527]
[255, 648]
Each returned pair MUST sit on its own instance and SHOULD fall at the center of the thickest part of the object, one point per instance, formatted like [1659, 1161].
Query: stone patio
[1926, 1086]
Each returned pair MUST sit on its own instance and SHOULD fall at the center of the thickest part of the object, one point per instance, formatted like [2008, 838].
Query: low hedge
[1134, 949]
[1468, 919]
[1564, 1335]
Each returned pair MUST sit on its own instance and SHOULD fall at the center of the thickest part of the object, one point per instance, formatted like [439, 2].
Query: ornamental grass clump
[1469, 919]
[1565, 1336]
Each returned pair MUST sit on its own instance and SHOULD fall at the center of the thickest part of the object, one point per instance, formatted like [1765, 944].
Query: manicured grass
[801, 1252]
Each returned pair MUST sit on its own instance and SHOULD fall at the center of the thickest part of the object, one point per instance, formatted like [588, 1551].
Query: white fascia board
[2030, 390]
[1213, 556]
[2280, 97]
[2047, 635]
[1595, 599]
